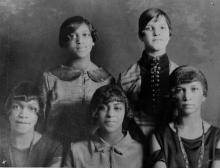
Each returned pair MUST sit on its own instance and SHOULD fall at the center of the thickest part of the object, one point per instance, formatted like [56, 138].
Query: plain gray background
[29, 38]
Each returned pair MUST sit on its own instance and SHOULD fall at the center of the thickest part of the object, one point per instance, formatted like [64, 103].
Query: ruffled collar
[68, 73]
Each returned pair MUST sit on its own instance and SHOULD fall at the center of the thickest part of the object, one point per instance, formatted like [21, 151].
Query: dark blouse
[171, 152]
[155, 85]
[44, 153]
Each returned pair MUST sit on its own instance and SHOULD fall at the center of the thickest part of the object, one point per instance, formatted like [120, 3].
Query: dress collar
[146, 62]
[68, 73]
[119, 148]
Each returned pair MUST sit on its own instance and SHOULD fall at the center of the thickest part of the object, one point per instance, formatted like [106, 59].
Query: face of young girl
[190, 97]
[82, 42]
[23, 116]
[156, 35]
[111, 116]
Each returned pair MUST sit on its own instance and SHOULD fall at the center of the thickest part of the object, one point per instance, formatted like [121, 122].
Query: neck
[155, 53]
[82, 63]
[111, 138]
[22, 141]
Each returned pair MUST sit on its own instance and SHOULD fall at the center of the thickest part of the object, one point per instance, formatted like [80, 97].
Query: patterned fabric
[171, 151]
[67, 93]
[95, 153]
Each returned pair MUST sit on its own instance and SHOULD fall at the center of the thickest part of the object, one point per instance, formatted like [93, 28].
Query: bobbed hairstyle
[148, 15]
[70, 25]
[24, 91]
[187, 74]
[106, 94]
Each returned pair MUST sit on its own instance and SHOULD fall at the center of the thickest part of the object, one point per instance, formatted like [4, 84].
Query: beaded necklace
[202, 148]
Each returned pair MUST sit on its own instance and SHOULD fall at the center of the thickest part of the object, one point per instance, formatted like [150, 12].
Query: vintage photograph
[110, 83]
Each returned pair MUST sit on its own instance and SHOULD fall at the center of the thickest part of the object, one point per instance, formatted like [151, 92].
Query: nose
[78, 39]
[23, 113]
[156, 31]
[187, 95]
[110, 112]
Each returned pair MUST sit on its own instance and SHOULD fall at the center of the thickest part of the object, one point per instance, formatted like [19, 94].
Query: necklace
[202, 148]
[28, 152]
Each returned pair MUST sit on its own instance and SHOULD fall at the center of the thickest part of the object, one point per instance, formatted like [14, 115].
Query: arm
[216, 163]
[155, 153]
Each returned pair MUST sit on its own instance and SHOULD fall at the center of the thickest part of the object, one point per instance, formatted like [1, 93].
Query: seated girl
[23, 146]
[110, 145]
[188, 141]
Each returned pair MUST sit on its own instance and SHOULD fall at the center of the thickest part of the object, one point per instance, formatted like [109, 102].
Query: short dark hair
[148, 15]
[25, 91]
[106, 94]
[70, 25]
[187, 74]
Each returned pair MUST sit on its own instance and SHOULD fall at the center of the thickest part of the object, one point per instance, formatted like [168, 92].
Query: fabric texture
[67, 93]
[95, 153]
[172, 155]
[44, 153]
[146, 85]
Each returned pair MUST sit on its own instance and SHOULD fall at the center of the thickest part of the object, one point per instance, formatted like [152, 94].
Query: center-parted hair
[187, 74]
[150, 14]
[70, 25]
[106, 94]
[25, 91]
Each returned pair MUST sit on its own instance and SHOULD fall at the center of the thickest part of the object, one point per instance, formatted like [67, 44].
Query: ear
[204, 98]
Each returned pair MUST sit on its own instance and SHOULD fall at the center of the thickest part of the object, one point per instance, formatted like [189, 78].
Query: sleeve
[56, 156]
[157, 153]
[69, 161]
[45, 90]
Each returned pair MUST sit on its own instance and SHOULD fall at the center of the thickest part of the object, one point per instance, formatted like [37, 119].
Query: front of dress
[171, 152]
[96, 153]
[67, 93]
[44, 153]
[146, 84]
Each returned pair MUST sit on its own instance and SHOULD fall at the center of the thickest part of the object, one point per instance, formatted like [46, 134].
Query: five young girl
[80, 103]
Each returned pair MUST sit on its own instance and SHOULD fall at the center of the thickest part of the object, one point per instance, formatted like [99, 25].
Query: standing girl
[68, 89]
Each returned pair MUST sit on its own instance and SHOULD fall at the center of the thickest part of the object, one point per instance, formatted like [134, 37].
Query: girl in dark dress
[189, 141]
[146, 82]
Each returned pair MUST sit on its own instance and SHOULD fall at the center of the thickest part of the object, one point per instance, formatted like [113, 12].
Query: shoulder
[99, 75]
[131, 75]
[131, 145]
[173, 66]
[132, 71]
[46, 143]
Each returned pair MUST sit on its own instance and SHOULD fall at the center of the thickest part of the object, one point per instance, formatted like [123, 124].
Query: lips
[22, 122]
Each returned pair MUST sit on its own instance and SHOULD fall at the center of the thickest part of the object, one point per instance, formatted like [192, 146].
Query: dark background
[29, 38]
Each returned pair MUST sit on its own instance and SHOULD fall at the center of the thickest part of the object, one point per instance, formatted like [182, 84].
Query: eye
[118, 108]
[148, 28]
[15, 107]
[101, 107]
[163, 27]
[86, 35]
[194, 89]
[178, 90]
[33, 109]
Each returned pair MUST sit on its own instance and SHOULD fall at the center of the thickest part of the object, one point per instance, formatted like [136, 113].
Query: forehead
[33, 102]
[113, 103]
[191, 84]
[82, 28]
[157, 20]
